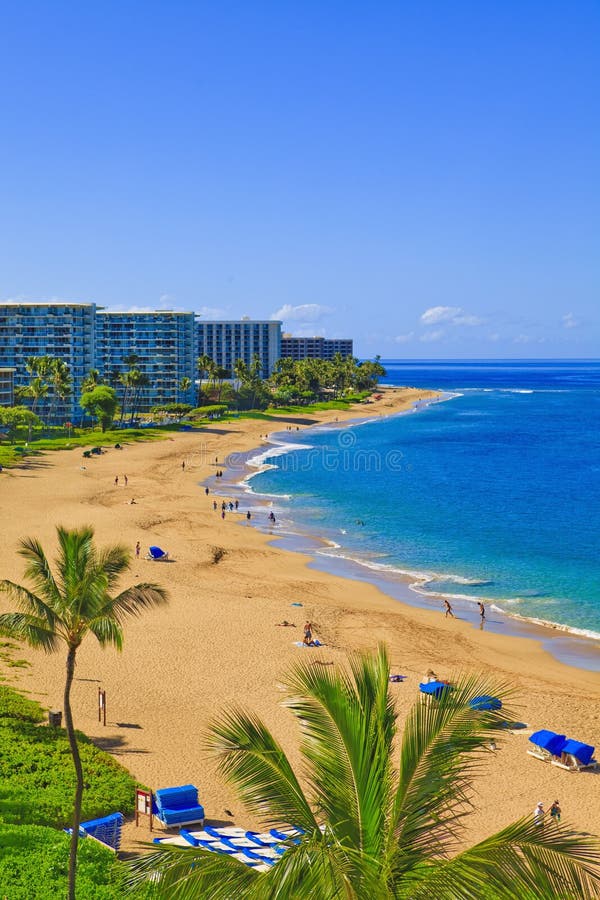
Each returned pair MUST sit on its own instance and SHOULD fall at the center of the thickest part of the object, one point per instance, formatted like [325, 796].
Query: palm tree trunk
[78, 771]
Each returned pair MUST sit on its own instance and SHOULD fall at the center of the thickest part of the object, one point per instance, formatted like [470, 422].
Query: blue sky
[423, 177]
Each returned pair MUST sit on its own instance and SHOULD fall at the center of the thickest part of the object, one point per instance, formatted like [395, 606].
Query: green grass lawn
[36, 801]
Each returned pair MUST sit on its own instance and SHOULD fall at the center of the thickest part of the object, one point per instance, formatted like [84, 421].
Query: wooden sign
[143, 805]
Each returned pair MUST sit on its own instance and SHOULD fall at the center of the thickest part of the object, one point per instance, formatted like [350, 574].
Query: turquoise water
[491, 494]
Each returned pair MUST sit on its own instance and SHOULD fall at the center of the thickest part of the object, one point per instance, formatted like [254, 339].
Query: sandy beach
[217, 642]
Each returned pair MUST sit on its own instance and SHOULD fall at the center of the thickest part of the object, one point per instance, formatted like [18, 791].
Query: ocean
[492, 494]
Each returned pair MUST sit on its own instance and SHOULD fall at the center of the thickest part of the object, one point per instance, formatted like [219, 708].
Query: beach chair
[547, 745]
[435, 689]
[485, 703]
[178, 806]
[107, 830]
[156, 554]
[576, 756]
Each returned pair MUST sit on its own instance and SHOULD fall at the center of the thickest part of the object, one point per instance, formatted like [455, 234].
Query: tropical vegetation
[379, 816]
[65, 605]
[36, 802]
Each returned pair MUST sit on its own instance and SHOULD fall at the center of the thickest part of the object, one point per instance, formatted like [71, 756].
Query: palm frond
[133, 601]
[186, 874]
[251, 760]
[28, 602]
[76, 563]
[522, 860]
[113, 561]
[39, 571]
[348, 725]
[107, 630]
[443, 746]
[33, 630]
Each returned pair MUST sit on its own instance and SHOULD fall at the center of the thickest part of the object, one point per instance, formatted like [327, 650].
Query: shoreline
[568, 644]
[216, 643]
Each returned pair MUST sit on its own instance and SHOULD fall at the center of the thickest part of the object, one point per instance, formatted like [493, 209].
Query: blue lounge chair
[156, 554]
[106, 830]
[547, 744]
[485, 702]
[178, 806]
[576, 756]
[435, 688]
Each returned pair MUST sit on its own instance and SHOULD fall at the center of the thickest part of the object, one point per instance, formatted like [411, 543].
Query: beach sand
[217, 642]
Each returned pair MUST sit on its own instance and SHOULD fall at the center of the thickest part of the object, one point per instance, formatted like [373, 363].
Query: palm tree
[62, 608]
[381, 818]
[60, 376]
[204, 363]
[91, 380]
[184, 385]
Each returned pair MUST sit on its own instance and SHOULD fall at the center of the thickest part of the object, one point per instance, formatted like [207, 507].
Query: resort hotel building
[226, 342]
[162, 341]
[7, 386]
[314, 347]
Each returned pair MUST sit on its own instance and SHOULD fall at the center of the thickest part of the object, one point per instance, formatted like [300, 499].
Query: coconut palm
[203, 362]
[380, 818]
[64, 606]
[185, 384]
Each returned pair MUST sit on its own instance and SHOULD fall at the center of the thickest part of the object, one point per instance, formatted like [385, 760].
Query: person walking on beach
[222, 513]
[539, 813]
[206, 491]
[555, 812]
[214, 504]
[481, 610]
[248, 515]
[307, 633]
[126, 480]
[448, 609]
[116, 480]
[237, 503]
[137, 550]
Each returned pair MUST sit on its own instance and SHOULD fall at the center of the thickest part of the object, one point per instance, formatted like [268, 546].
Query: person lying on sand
[285, 624]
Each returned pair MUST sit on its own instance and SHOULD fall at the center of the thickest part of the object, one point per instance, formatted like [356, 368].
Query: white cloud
[494, 336]
[404, 338]
[569, 321]
[212, 312]
[431, 336]
[304, 312]
[522, 339]
[453, 315]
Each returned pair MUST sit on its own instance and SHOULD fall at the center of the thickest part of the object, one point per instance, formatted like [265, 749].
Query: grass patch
[34, 866]
[38, 779]
[57, 439]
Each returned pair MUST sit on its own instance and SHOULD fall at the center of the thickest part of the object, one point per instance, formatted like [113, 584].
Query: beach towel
[315, 643]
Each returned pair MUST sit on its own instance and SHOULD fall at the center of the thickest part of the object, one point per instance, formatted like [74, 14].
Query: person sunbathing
[285, 624]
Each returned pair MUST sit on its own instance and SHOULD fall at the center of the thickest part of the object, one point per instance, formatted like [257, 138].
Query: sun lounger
[107, 830]
[576, 756]
[155, 554]
[435, 688]
[546, 744]
[178, 806]
[485, 702]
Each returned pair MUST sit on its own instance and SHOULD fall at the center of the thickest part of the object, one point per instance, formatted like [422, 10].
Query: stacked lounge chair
[178, 806]
[106, 830]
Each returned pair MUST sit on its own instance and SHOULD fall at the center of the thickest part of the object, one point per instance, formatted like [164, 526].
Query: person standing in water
[481, 610]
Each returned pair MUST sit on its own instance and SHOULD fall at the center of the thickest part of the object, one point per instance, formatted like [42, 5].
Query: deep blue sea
[493, 493]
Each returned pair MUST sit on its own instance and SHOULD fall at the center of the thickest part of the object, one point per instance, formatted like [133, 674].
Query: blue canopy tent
[486, 703]
[547, 744]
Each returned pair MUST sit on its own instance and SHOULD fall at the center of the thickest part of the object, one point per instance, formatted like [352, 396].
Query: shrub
[34, 863]
[38, 778]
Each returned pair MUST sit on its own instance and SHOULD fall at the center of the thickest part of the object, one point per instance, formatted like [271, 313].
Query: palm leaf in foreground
[378, 821]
